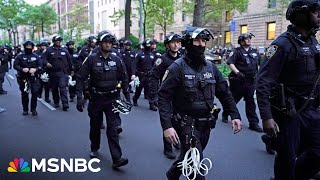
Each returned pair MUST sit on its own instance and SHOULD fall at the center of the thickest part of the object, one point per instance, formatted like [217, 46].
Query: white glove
[44, 77]
[133, 77]
[70, 82]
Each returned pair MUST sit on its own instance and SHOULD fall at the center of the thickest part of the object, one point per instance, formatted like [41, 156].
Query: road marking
[11, 76]
[46, 104]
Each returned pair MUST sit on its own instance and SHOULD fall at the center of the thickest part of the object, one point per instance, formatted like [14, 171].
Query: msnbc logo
[18, 164]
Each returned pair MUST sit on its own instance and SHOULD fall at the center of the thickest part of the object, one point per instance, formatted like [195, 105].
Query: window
[271, 28]
[183, 16]
[161, 36]
[228, 16]
[243, 29]
[227, 37]
[272, 3]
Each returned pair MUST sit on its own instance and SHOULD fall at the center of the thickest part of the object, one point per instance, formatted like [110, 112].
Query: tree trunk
[144, 20]
[198, 13]
[17, 35]
[42, 29]
[9, 36]
[127, 19]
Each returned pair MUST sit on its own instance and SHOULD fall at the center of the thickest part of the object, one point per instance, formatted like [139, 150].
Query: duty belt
[95, 91]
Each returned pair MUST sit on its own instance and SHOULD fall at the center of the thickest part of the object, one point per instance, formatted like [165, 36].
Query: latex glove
[236, 125]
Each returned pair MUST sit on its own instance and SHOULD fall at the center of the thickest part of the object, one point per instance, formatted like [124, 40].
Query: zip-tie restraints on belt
[191, 163]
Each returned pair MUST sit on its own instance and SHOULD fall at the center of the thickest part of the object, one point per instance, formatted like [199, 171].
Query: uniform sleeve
[268, 76]
[16, 64]
[168, 87]
[224, 95]
[39, 63]
[83, 76]
[155, 76]
[123, 76]
[233, 56]
[70, 64]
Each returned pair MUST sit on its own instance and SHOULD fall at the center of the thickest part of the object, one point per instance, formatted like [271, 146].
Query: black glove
[240, 75]
[80, 105]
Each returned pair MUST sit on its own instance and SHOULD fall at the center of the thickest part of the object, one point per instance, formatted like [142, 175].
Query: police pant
[298, 145]
[33, 85]
[245, 89]
[167, 147]
[59, 83]
[72, 89]
[2, 74]
[46, 86]
[201, 133]
[153, 91]
[103, 104]
[144, 83]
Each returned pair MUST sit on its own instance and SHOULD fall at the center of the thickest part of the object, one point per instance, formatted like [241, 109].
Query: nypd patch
[231, 54]
[158, 62]
[271, 51]
[165, 75]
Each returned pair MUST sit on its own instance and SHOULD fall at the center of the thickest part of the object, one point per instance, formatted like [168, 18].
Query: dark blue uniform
[76, 67]
[105, 74]
[128, 56]
[45, 85]
[189, 93]
[4, 59]
[61, 63]
[84, 52]
[142, 69]
[28, 81]
[292, 60]
[243, 87]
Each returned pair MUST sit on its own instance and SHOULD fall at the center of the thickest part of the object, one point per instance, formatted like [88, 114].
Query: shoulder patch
[165, 75]
[271, 51]
[231, 54]
[158, 61]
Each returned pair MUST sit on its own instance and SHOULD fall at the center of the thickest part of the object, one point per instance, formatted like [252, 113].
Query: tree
[127, 19]
[211, 10]
[77, 19]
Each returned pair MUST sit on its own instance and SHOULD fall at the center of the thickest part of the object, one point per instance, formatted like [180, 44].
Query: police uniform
[128, 56]
[75, 62]
[3, 69]
[243, 87]
[60, 60]
[144, 63]
[105, 74]
[188, 90]
[45, 85]
[28, 82]
[294, 62]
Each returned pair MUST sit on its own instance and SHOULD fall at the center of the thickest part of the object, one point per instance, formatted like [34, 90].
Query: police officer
[106, 73]
[244, 65]
[40, 52]
[75, 62]
[4, 59]
[142, 69]
[128, 56]
[28, 65]
[188, 89]
[122, 43]
[86, 50]
[288, 91]
[61, 63]
[173, 43]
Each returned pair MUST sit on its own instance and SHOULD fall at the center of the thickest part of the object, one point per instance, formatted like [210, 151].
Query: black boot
[135, 102]
[152, 107]
[34, 113]
[120, 162]
[169, 154]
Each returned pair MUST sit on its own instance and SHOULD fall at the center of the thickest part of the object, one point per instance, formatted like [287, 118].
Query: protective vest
[103, 75]
[198, 90]
[248, 64]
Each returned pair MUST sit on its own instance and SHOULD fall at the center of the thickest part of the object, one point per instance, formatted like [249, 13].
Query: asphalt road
[59, 134]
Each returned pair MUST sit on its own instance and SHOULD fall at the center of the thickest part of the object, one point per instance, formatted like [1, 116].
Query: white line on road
[46, 104]
[11, 76]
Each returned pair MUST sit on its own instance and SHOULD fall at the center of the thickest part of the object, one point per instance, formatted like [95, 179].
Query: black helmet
[57, 38]
[154, 41]
[122, 40]
[115, 42]
[43, 43]
[244, 36]
[147, 42]
[70, 42]
[91, 39]
[28, 42]
[297, 6]
[106, 36]
[128, 43]
[194, 33]
[172, 37]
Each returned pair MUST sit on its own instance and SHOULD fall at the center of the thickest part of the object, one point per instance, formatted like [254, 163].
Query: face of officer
[70, 46]
[28, 49]
[106, 46]
[174, 46]
[43, 47]
[57, 43]
[315, 18]
[153, 46]
[127, 47]
[246, 42]
[92, 44]
[199, 42]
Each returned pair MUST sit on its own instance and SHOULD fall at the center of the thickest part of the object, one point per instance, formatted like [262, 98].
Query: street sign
[232, 26]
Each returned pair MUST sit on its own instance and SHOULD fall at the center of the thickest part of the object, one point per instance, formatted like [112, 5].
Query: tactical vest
[248, 64]
[103, 74]
[198, 90]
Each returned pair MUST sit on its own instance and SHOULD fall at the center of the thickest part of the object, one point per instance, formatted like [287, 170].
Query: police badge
[271, 51]
[158, 62]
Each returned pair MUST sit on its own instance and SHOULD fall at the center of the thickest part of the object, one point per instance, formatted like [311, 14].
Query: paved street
[58, 134]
